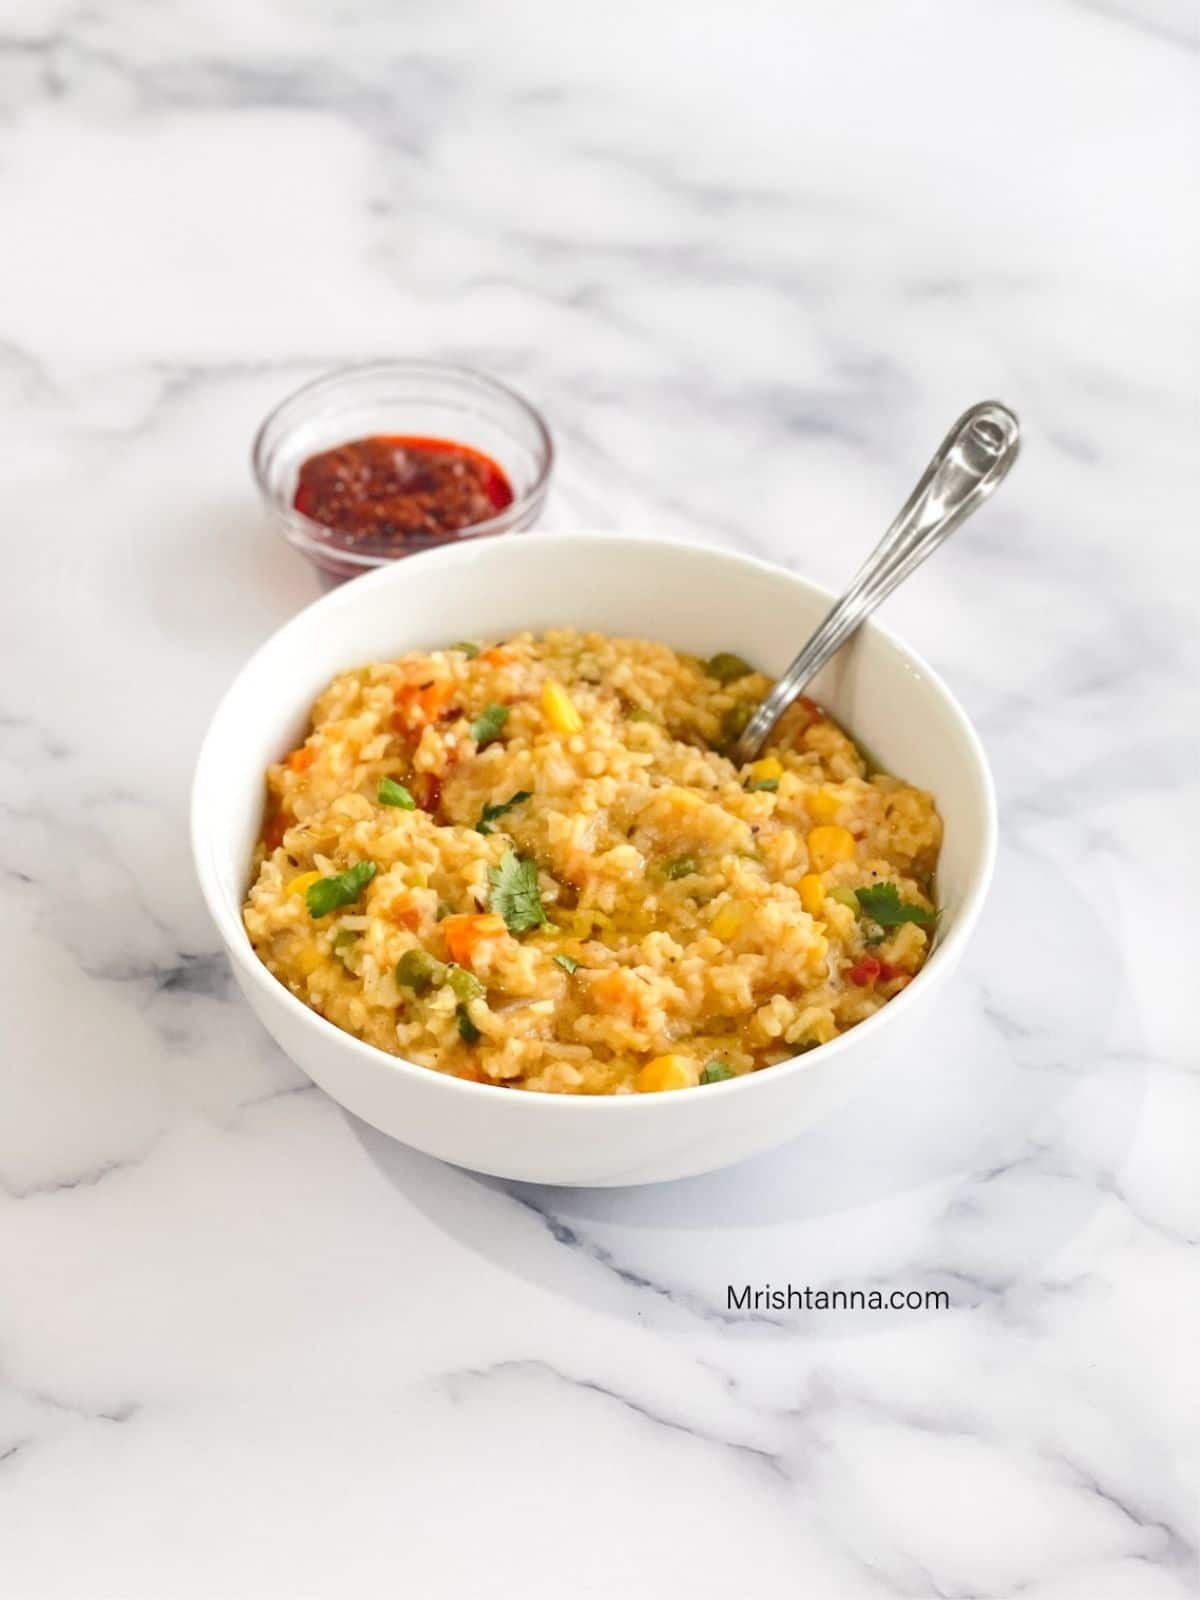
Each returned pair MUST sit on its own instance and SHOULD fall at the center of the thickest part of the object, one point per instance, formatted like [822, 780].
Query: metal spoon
[973, 459]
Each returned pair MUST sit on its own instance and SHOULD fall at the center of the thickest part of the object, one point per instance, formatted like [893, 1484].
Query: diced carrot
[418, 705]
[617, 990]
[403, 912]
[464, 934]
[497, 656]
[865, 971]
[300, 760]
[275, 829]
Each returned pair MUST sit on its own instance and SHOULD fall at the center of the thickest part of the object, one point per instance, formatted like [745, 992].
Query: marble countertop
[751, 261]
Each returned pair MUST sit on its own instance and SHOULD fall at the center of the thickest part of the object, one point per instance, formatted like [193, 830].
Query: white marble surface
[752, 261]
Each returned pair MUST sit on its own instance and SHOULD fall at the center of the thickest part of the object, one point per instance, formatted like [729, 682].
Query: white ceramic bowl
[694, 598]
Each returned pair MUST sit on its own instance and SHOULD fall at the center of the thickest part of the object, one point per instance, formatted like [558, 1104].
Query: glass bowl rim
[311, 536]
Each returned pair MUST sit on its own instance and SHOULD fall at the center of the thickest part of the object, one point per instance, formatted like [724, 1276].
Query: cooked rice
[674, 884]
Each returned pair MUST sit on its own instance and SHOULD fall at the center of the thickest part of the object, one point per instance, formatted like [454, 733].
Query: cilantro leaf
[489, 724]
[392, 793]
[716, 1070]
[515, 893]
[567, 963]
[343, 889]
[882, 903]
[488, 815]
[468, 647]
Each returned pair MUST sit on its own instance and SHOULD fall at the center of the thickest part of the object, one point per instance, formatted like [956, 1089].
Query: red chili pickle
[392, 493]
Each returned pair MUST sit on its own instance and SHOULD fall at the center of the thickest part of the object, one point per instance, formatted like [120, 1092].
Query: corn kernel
[303, 883]
[816, 954]
[812, 893]
[822, 805]
[309, 959]
[829, 844]
[559, 708]
[766, 770]
[667, 1072]
[727, 921]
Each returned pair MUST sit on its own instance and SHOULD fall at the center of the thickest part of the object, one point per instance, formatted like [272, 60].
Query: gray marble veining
[751, 262]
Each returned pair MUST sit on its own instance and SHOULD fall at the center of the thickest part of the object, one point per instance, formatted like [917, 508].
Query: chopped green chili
[392, 793]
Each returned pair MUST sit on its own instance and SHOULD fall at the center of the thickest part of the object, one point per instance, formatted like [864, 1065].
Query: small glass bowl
[427, 399]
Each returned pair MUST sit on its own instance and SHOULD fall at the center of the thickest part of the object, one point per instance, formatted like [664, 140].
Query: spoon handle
[971, 462]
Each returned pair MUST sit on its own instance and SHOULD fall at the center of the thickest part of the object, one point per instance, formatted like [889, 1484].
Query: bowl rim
[311, 537]
[233, 935]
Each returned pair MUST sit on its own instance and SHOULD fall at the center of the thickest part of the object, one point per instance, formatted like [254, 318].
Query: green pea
[419, 971]
[727, 668]
[716, 1070]
[464, 985]
[733, 723]
[681, 867]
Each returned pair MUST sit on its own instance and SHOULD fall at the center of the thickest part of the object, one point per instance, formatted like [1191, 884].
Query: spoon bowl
[972, 461]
